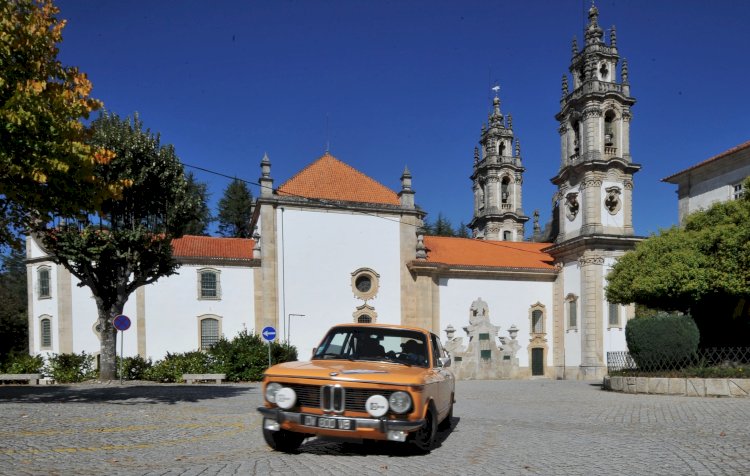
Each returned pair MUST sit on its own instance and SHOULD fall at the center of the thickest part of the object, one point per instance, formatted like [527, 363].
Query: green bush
[171, 368]
[134, 368]
[22, 364]
[69, 368]
[245, 357]
[662, 342]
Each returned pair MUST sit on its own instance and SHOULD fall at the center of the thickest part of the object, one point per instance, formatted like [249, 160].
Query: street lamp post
[289, 325]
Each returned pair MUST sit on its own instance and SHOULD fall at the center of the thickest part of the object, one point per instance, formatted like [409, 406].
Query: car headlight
[271, 390]
[286, 398]
[376, 405]
[400, 402]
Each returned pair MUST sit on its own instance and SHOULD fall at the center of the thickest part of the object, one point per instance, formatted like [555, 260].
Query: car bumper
[380, 428]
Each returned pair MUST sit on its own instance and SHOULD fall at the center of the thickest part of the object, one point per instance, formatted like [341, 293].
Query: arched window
[537, 314]
[609, 128]
[507, 235]
[209, 285]
[576, 138]
[43, 279]
[505, 189]
[45, 331]
[364, 319]
[501, 148]
[365, 314]
[210, 332]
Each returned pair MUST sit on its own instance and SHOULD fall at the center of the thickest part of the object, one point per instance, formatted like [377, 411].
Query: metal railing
[710, 362]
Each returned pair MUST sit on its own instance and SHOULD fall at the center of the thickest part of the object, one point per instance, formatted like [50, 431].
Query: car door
[445, 377]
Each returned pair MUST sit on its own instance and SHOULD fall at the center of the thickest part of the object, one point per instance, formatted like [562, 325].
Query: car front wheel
[425, 436]
[283, 440]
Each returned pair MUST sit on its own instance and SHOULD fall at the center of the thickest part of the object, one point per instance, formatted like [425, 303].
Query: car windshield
[374, 344]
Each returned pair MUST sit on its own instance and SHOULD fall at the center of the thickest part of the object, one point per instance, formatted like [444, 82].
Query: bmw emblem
[333, 374]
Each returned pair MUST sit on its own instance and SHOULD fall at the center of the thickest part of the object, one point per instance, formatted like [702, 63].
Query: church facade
[333, 245]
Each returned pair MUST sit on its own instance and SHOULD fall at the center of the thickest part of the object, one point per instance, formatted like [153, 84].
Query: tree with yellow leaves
[45, 164]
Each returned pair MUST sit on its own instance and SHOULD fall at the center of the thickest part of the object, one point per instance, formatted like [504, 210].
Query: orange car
[365, 381]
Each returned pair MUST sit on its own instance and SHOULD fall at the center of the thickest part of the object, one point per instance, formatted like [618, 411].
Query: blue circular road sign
[121, 322]
[269, 333]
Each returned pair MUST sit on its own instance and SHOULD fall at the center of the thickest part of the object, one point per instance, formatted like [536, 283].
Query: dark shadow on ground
[388, 448]
[122, 394]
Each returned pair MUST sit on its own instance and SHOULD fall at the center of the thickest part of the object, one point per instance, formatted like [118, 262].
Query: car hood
[348, 371]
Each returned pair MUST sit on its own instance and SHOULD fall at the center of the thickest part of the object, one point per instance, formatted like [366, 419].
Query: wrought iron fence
[711, 362]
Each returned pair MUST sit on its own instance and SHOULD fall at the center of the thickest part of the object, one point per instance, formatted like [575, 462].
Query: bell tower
[497, 181]
[593, 203]
[595, 179]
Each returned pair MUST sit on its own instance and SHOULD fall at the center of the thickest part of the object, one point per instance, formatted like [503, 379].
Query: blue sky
[407, 83]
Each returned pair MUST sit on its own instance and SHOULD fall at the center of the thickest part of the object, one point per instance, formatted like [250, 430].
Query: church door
[537, 361]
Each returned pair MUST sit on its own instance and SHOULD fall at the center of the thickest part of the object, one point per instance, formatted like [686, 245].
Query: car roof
[383, 326]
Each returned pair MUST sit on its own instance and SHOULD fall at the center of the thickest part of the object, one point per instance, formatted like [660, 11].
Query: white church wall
[322, 250]
[509, 302]
[84, 317]
[614, 336]
[173, 308]
[572, 284]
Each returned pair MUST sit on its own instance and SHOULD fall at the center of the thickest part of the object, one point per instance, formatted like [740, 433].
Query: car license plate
[330, 423]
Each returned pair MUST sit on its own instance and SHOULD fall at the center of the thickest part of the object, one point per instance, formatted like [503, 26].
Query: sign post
[121, 323]
[269, 334]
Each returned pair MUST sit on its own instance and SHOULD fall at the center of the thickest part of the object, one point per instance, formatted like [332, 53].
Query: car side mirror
[445, 361]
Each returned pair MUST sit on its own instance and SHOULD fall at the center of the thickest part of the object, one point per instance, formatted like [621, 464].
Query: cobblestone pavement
[500, 427]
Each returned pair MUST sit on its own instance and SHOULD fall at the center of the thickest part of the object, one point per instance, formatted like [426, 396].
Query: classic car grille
[354, 398]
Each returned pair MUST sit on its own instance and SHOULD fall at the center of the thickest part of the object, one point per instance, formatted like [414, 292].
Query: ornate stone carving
[571, 205]
[590, 183]
[592, 112]
[628, 185]
[591, 259]
[612, 201]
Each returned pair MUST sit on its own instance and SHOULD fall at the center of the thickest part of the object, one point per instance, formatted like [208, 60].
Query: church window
[364, 319]
[504, 189]
[507, 235]
[209, 284]
[43, 276]
[537, 314]
[614, 315]
[45, 327]
[576, 139]
[604, 72]
[609, 129]
[365, 314]
[738, 191]
[210, 331]
[501, 148]
[365, 283]
[572, 305]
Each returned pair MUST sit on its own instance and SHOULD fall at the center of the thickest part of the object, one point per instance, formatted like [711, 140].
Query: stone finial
[564, 86]
[588, 68]
[421, 248]
[510, 121]
[513, 332]
[613, 37]
[593, 32]
[476, 155]
[496, 104]
[624, 70]
[265, 166]
[406, 195]
[537, 228]
[406, 180]
[518, 147]
[574, 46]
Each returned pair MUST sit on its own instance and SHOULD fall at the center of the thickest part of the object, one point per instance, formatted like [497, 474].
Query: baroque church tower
[593, 213]
[497, 181]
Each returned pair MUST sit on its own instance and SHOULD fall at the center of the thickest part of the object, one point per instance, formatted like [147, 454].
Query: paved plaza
[500, 427]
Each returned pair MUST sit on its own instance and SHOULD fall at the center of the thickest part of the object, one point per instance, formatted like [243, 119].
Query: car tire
[424, 438]
[283, 440]
[448, 420]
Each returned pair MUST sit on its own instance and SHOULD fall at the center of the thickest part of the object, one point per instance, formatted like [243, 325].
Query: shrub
[245, 357]
[134, 368]
[171, 368]
[23, 364]
[69, 368]
[662, 342]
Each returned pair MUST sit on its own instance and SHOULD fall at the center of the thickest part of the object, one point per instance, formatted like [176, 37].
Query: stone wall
[690, 387]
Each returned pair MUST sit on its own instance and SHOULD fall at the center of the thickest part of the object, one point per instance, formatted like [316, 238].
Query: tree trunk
[108, 349]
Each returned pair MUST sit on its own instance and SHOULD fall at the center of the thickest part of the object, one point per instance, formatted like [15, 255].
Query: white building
[717, 179]
[333, 245]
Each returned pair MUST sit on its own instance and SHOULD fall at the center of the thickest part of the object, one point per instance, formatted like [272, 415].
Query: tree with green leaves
[14, 321]
[128, 243]
[198, 192]
[45, 164]
[440, 227]
[236, 210]
[702, 268]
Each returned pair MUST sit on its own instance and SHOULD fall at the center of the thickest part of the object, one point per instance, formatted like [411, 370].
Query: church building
[333, 245]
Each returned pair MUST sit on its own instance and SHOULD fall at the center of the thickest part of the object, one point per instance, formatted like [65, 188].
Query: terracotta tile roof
[472, 252]
[212, 247]
[330, 179]
[738, 148]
